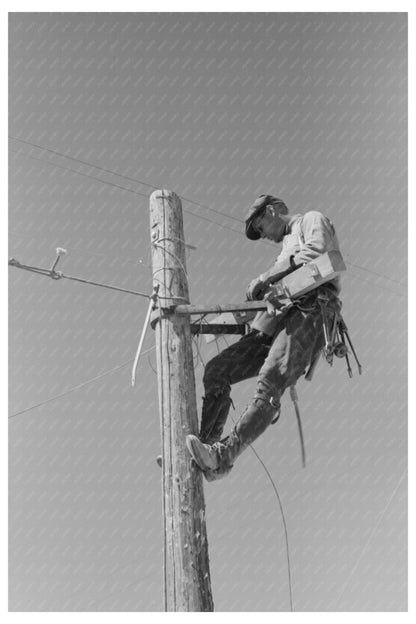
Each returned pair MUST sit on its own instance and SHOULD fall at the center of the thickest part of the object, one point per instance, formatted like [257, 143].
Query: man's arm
[279, 270]
[260, 284]
[318, 238]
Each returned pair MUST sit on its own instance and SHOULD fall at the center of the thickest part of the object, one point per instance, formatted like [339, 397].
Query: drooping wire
[375, 273]
[79, 160]
[142, 294]
[120, 175]
[184, 198]
[73, 389]
[46, 162]
[151, 365]
[41, 147]
[141, 264]
[281, 511]
[171, 253]
[221, 225]
[369, 281]
[84, 175]
[283, 519]
[77, 387]
[138, 263]
[284, 525]
[196, 341]
[199, 322]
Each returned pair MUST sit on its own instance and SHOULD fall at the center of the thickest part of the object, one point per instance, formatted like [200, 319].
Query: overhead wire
[56, 152]
[150, 364]
[113, 370]
[196, 341]
[85, 175]
[57, 275]
[78, 386]
[69, 245]
[154, 187]
[46, 162]
[368, 281]
[70, 390]
[221, 225]
[79, 160]
[121, 175]
[390, 279]
[90, 282]
[108, 286]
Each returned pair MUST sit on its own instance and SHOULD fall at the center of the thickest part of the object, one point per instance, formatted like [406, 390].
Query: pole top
[163, 194]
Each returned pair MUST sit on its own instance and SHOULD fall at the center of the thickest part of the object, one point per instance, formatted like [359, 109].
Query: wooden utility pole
[187, 584]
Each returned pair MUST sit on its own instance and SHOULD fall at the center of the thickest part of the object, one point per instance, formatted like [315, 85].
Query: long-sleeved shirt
[309, 236]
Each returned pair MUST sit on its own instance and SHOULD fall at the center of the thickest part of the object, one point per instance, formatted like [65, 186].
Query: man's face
[269, 225]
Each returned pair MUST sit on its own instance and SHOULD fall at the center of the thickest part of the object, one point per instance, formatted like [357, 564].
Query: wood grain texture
[186, 565]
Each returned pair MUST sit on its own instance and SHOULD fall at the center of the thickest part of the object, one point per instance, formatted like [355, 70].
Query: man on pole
[278, 348]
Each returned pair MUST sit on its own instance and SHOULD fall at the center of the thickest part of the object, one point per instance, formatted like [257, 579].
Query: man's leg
[240, 361]
[288, 358]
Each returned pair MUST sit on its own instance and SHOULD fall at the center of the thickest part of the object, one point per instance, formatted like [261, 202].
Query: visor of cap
[256, 209]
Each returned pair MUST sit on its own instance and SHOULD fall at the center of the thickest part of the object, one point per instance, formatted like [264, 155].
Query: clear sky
[218, 108]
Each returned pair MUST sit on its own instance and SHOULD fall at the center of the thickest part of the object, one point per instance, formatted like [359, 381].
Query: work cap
[256, 209]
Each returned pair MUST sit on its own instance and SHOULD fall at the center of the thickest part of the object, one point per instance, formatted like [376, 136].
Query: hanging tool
[294, 397]
[336, 335]
[152, 302]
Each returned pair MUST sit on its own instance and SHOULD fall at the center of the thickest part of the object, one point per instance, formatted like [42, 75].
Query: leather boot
[205, 455]
[217, 460]
[215, 408]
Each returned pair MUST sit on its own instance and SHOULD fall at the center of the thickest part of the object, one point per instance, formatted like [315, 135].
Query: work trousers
[277, 361]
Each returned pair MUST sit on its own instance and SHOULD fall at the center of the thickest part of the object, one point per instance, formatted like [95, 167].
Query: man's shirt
[309, 236]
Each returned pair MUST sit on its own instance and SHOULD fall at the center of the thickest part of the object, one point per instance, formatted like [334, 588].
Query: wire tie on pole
[152, 302]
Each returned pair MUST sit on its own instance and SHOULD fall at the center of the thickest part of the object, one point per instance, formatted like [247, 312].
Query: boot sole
[193, 443]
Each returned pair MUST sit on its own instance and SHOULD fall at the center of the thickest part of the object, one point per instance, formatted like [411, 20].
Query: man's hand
[256, 289]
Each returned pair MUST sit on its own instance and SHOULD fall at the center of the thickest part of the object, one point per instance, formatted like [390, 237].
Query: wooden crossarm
[305, 279]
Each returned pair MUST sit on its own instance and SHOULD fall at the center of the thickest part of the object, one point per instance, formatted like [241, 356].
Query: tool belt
[267, 322]
[311, 301]
[337, 339]
[324, 299]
